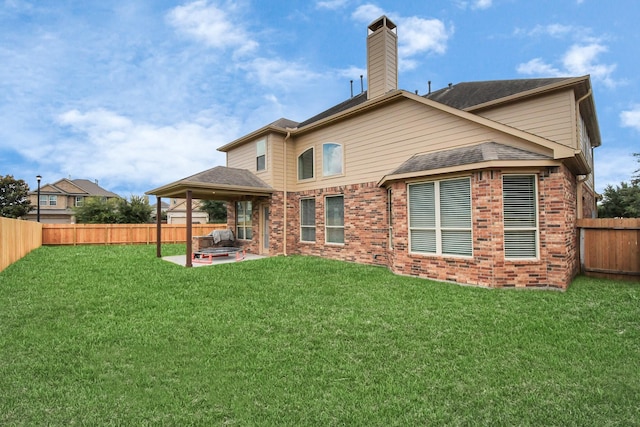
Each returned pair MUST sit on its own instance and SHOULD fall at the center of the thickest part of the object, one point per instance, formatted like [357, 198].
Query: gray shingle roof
[467, 94]
[222, 175]
[465, 155]
[92, 188]
[345, 105]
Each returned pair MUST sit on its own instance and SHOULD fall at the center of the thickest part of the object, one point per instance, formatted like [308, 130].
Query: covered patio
[218, 183]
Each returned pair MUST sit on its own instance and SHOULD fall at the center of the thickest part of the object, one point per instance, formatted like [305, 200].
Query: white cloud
[332, 4]
[213, 25]
[278, 73]
[367, 13]
[474, 4]
[538, 67]
[121, 151]
[631, 118]
[583, 59]
[578, 60]
[613, 166]
[482, 4]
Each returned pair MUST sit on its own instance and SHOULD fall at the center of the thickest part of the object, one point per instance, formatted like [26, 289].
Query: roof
[220, 182]
[481, 153]
[85, 188]
[468, 94]
[345, 105]
[93, 188]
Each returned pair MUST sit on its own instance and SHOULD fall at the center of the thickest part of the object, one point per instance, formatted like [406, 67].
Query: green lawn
[114, 336]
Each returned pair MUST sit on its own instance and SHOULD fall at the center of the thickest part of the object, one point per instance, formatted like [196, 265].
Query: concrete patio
[182, 259]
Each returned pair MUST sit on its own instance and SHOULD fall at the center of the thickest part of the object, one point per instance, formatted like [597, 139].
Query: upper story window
[261, 155]
[332, 159]
[48, 200]
[305, 164]
[520, 206]
[79, 201]
[440, 217]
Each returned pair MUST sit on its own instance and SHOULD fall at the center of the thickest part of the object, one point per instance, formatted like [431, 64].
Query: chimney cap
[383, 21]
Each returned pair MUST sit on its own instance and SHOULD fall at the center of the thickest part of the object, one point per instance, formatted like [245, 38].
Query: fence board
[17, 238]
[610, 248]
[119, 234]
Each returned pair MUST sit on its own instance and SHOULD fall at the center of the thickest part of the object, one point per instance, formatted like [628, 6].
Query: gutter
[284, 193]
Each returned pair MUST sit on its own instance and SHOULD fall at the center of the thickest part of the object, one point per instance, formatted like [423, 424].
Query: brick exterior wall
[367, 232]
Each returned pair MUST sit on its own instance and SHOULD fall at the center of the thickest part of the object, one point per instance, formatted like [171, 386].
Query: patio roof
[218, 183]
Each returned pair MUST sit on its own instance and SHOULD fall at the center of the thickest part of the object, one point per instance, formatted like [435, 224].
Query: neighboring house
[477, 183]
[177, 212]
[57, 200]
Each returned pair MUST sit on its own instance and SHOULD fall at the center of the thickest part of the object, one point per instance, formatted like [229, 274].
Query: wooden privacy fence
[610, 248]
[17, 238]
[119, 234]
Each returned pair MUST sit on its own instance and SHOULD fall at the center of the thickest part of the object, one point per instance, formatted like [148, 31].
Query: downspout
[284, 194]
[581, 181]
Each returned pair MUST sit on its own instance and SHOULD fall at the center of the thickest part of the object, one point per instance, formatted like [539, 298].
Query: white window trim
[438, 225]
[537, 212]
[326, 227]
[313, 165]
[315, 227]
[341, 173]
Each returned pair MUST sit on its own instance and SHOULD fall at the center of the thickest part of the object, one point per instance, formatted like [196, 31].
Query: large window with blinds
[308, 220]
[334, 219]
[440, 217]
[520, 205]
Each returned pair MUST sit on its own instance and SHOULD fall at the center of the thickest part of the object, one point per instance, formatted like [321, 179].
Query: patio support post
[189, 230]
[158, 227]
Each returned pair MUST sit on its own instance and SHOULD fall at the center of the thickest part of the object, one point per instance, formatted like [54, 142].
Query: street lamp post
[38, 178]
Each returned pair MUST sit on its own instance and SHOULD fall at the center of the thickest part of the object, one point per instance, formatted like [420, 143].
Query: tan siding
[551, 117]
[243, 157]
[376, 143]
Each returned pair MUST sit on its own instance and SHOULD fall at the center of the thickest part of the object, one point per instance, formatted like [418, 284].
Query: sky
[137, 94]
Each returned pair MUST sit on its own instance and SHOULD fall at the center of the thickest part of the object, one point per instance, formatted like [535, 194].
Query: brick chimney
[382, 57]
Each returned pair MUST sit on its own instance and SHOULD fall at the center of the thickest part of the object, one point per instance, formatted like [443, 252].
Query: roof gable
[220, 182]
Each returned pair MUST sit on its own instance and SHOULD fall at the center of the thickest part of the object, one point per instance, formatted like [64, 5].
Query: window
[48, 200]
[261, 155]
[305, 165]
[520, 216]
[390, 217]
[440, 217]
[331, 159]
[79, 201]
[334, 221]
[243, 220]
[308, 220]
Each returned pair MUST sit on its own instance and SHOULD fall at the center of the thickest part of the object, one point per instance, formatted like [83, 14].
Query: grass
[113, 336]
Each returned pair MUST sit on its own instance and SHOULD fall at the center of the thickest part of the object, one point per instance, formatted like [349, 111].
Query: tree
[136, 211]
[14, 197]
[98, 210]
[623, 201]
[216, 209]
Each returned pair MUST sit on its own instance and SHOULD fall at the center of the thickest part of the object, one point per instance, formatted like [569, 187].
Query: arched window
[332, 159]
[305, 164]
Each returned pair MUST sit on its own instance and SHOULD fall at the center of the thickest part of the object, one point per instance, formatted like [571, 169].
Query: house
[477, 183]
[57, 200]
[177, 212]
